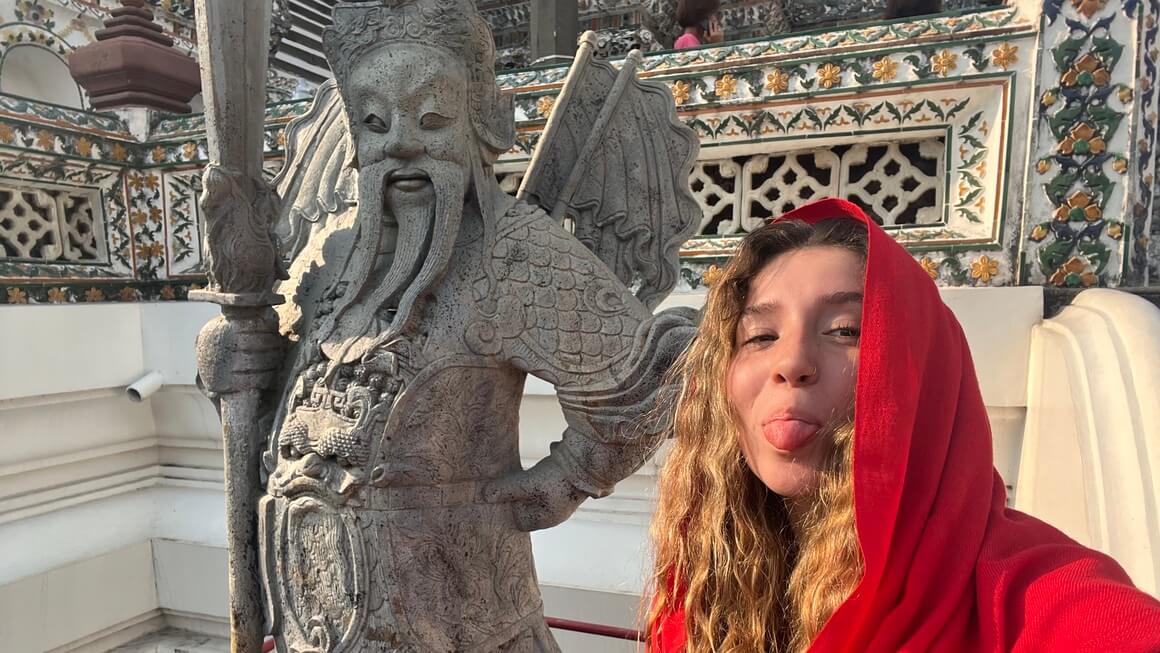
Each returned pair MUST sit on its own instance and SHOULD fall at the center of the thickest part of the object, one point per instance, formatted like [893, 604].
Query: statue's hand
[540, 497]
[243, 353]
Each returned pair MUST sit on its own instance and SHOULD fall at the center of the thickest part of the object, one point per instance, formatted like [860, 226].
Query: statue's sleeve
[612, 432]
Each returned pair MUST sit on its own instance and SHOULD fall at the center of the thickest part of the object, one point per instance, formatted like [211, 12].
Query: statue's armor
[374, 520]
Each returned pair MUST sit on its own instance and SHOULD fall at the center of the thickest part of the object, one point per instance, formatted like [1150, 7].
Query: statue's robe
[374, 515]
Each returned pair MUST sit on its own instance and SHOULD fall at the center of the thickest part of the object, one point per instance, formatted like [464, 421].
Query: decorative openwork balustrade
[933, 125]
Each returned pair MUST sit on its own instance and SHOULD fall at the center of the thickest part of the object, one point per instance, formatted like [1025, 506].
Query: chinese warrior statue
[395, 512]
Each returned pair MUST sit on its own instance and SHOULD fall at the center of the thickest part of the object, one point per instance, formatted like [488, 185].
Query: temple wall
[1011, 150]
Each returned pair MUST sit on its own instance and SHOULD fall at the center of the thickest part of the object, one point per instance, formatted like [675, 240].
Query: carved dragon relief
[396, 511]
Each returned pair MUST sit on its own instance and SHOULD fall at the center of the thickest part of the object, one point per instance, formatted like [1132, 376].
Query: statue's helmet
[453, 25]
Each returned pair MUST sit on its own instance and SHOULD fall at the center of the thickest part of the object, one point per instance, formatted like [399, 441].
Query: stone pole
[239, 209]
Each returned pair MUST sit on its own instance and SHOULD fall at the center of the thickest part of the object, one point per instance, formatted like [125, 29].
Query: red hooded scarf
[948, 566]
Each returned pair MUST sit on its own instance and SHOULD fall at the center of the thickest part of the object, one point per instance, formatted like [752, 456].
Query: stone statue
[395, 511]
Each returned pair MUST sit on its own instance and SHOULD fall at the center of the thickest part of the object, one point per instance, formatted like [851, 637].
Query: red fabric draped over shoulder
[948, 566]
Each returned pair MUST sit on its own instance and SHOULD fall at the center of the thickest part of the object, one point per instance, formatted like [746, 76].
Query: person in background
[701, 23]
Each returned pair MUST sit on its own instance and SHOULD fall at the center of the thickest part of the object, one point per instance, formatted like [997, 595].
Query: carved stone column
[134, 64]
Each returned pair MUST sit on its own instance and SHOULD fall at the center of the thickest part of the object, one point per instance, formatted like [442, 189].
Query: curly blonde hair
[723, 545]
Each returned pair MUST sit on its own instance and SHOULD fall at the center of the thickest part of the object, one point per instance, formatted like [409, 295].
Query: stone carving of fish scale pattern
[574, 317]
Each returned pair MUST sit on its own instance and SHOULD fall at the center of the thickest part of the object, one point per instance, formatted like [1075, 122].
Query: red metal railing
[600, 630]
[595, 629]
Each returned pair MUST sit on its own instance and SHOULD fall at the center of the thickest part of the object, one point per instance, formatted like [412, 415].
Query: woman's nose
[794, 363]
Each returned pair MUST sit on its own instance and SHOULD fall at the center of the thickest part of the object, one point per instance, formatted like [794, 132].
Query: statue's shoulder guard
[559, 312]
[614, 161]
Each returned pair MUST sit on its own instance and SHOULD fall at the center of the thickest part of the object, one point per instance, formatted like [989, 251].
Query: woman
[700, 20]
[831, 486]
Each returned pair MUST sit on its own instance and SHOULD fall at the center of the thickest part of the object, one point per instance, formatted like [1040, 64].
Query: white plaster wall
[85, 473]
[34, 72]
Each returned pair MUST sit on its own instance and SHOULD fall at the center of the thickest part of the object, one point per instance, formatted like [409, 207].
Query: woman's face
[795, 363]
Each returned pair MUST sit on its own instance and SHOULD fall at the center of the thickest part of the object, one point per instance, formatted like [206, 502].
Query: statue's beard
[404, 244]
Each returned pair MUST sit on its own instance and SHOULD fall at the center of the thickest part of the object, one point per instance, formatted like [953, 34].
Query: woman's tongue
[789, 434]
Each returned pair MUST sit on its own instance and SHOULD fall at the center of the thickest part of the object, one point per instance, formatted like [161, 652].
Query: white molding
[116, 635]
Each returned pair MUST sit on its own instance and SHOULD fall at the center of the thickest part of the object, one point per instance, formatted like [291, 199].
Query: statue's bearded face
[408, 109]
[409, 115]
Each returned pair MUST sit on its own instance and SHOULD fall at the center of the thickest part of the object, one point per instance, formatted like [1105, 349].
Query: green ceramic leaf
[1107, 50]
[1099, 183]
[1061, 121]
[861, 74]
[1096, 252]
[1066, 52]
[1059, 186]
[1106, 118]
[978, 58]
[1054, 255]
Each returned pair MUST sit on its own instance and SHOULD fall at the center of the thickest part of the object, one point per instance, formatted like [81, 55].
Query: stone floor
[175, 641]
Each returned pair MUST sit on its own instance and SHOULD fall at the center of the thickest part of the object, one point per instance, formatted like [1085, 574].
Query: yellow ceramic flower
[1039, 233]
[544, 106]
[152, 182]
[725, 87]
[1079, 207]
[1120, 165]
[94, 295]
[1125, 94]
[158, 154]
[1116, 230]
[17, 296]
[930, 266]
[1043, 166]
[57, 295]
[1005, 55]
[777, 81]
[84, 147]
[829, 75]
[45, 140]
[6, 134]
[1083, 139]
[944, 62]
[710, 275]
[136, 217]
[984, 269]
[681, 91]
[885, 69]
[1089, 8]
[1086, 70]
[189, 150]
[130, 294]
[1048, 99]
[119, 153]
[150, 250]
[1075, 265]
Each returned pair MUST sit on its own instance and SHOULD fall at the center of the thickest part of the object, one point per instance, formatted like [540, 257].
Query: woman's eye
[376, 124]
[432, 120]
[760, 339]
[846, 332]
